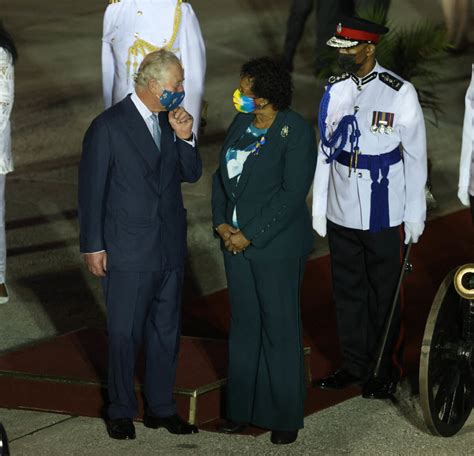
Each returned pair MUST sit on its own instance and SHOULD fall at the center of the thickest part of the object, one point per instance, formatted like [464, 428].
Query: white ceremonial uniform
[6, 105]
[466, 165]
[379, 97]
[6, 159]
[133, 28]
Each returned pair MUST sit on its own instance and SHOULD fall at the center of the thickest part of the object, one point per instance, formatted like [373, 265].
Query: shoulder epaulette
[339, 78]
[391, 81]
[113, 1]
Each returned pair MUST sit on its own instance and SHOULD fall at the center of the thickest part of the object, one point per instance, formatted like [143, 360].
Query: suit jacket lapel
[139, 134]
[233, 136]
[272, 136]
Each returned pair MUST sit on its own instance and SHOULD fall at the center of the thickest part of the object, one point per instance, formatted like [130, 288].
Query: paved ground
[58, 93]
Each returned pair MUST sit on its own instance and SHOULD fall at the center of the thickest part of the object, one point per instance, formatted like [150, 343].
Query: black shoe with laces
[173, 424]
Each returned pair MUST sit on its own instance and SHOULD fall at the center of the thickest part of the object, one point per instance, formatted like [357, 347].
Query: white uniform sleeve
[6, 88]
[193, 58]
[320, 185]
[413, 138]
[467, 138]
[108, 70]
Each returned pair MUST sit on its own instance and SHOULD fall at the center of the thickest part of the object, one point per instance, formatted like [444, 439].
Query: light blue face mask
[171, 100]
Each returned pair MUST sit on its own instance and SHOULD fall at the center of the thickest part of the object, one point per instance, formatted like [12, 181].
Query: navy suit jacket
[130, 200]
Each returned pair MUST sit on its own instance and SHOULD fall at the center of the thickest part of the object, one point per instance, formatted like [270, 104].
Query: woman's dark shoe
[174, 424]
[339, 380]
[283, 437]
[121, 429]
[230, 427]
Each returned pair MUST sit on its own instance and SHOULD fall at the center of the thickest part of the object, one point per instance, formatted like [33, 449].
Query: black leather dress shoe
[174, 424]
[339, 380]
[283, 437]
[121, 428]
[379, 388]
[231, 427]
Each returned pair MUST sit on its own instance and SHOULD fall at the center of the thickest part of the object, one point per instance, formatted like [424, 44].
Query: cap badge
[339, 28]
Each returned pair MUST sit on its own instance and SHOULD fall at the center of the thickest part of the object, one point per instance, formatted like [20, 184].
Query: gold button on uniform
[139, 12]
[135, 34]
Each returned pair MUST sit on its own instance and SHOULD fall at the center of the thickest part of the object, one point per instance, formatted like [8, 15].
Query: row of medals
[382, 127]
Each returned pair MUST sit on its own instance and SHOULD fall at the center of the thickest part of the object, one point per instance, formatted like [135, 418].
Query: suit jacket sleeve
[413, 137]
[94, 169]
[189, 161]
[193, 57]
[219, 199]
[291, 197]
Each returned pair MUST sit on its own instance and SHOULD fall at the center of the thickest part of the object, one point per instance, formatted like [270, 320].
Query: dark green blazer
[271, 193]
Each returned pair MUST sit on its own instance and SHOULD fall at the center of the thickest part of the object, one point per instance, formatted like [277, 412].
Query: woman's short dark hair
[6, 42]
[270, 80]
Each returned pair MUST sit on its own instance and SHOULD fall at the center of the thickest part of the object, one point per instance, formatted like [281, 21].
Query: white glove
[319, 224]
[463, 195]
[413, 231]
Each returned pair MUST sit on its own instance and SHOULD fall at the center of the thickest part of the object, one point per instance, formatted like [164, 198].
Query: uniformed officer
[466, 166]
[133, 28]
[369, 180]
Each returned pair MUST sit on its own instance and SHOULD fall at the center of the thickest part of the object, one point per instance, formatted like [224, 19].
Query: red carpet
[448, 242]
[66, 374]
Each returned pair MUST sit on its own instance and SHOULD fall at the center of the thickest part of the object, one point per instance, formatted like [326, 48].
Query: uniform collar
[359, 82]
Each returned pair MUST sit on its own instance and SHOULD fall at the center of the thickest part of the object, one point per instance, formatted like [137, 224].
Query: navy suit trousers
[143, 308]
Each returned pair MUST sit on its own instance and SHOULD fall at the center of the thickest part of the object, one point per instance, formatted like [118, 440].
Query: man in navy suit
[133, 235]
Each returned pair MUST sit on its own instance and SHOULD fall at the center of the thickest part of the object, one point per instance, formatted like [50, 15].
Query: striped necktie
[156, 130]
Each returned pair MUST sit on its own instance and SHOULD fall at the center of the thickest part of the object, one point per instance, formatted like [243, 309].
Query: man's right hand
[225, 231]
[96, 263]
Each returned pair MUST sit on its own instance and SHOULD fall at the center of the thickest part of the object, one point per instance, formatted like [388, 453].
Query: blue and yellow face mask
[243, 103]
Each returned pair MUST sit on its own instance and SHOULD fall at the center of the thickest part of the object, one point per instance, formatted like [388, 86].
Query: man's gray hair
[155, 66]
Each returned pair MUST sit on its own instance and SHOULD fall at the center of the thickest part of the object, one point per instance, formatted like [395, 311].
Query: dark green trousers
[266, 385]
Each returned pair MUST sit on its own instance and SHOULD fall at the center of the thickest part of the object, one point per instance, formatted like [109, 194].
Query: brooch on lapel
[284, 131]
[382, 122]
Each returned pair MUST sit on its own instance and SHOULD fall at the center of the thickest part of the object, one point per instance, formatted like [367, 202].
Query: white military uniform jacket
[380, 98]
[6, 105]
[133, 28]
[466, 167]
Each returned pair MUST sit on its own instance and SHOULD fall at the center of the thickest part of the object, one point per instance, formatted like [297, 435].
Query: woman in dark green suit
[260, 213]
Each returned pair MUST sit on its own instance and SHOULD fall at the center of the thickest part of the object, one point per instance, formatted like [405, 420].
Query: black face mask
[348, 63]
